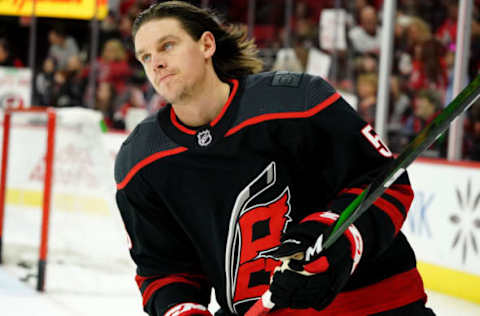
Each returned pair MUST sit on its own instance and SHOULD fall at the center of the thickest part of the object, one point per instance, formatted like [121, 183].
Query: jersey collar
[203, 136]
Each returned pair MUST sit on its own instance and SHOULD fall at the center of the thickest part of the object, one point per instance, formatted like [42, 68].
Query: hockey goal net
[58, 209]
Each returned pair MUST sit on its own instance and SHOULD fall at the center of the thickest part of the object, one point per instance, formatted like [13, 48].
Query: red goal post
[47, 183]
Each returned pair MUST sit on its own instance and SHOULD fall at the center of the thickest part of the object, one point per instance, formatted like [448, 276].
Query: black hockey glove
[315, 277]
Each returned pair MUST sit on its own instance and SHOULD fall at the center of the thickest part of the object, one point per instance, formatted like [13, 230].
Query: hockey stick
[357, 207]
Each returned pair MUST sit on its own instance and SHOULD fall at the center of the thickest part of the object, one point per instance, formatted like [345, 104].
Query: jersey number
[375, 140]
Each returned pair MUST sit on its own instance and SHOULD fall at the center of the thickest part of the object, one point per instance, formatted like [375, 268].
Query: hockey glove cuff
[309, 276]
[188, 309]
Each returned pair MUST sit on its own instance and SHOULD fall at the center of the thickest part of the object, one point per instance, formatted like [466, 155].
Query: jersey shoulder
[144, 141]
[282, 92]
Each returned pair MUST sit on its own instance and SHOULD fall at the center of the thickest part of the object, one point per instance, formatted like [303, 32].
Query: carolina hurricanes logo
[254, 232]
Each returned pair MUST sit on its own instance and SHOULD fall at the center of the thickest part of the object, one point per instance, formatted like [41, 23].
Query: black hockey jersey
[203, 207]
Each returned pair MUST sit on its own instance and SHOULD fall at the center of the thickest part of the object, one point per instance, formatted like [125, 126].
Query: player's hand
[309, 276]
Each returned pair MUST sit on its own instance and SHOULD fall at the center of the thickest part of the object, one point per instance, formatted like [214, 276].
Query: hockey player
[242, 168]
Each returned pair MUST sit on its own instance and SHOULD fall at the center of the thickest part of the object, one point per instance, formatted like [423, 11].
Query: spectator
[368, 63]
[59, 94]
[428, 104]
[292, 59]
[77, 80]
[109, 29]
[417, 32]
[429, 68]
[62, 47]
[358, 5]
[132, 111]
[69, 84]
[365, 37]
[302, 58]
[303, 23]
[447, 32]
[367, 94]
[6, 57]
[105, 103]
[44, 83]
[113, 66]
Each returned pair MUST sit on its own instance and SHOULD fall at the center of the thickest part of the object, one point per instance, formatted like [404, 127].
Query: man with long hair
[243, 169]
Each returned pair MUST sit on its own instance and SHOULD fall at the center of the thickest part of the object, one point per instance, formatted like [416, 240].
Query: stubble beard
[181, 96]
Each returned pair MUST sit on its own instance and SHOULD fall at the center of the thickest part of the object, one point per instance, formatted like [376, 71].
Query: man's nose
[158, 63]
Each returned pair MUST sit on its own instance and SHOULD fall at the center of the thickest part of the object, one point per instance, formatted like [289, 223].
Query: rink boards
[443, 225]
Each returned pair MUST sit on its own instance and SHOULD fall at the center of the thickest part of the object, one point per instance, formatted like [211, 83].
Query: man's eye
[167, 46]
[145, 58]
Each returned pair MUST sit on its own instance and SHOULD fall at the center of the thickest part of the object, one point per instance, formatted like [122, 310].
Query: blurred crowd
[421, 84]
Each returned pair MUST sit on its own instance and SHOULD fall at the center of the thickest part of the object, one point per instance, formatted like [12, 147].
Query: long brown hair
[235, 55]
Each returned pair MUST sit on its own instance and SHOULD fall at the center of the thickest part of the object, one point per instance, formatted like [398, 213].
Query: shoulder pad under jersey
[145, 140]
[281, 92]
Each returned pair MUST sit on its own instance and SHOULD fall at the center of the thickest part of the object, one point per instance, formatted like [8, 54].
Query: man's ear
[208, 45]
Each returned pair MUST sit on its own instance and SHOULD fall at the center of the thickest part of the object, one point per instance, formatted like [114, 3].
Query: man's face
[173, 61]
[369, 20]
[424, 109]
[53, 38]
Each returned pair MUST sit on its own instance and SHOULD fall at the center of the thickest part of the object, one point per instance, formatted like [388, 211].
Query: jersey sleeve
[168, 271]
[352, 155]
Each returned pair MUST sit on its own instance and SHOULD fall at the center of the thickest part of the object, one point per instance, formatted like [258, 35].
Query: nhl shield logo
[204, 138]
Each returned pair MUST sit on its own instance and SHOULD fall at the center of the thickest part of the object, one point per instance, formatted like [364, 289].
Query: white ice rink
[82, 292]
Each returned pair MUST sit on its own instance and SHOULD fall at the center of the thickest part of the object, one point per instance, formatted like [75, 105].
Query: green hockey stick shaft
[422, 141]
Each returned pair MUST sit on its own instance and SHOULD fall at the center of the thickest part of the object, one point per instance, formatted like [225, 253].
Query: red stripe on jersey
[160, 283]
[285, 115]
[140, 280]
[396, 291]
[392, 211]
[173, 118]
[403, 193]
[147, 161]
[225, 107]
[395, 215]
